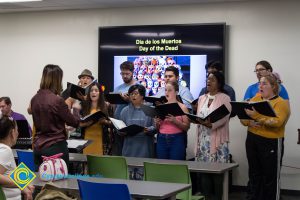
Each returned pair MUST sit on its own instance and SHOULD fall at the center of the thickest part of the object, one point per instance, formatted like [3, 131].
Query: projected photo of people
[149, 70]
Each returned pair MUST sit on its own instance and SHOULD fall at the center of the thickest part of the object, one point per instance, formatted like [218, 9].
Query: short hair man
[172, 75]
[263, 68]
[213, 66]
[5, 107]
[127, 77]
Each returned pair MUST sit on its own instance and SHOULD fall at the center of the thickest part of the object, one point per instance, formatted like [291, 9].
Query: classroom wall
[256, 30]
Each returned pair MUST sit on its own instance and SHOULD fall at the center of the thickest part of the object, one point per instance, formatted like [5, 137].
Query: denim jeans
[171, 146]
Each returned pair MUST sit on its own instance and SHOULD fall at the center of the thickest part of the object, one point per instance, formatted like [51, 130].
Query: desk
[201, 167]
[137, 189]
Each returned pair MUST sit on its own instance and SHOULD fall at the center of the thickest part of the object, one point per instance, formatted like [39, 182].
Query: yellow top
[271, 127]
[94, 133]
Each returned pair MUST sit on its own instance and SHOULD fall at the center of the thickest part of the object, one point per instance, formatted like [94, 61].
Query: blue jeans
[171, 146]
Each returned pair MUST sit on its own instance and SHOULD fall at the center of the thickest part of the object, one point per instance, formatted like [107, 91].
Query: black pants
[264, 159]
[59, 147]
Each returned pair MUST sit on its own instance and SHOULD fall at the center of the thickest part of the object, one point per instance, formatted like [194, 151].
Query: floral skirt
[203, 150]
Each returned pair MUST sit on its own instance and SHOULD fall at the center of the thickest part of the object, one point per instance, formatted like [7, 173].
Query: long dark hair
[87, 104]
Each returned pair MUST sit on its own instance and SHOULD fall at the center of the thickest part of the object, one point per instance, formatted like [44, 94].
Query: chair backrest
[98, 191]
[108, 166]
[27, 158]
[171, 173]
[2, 195]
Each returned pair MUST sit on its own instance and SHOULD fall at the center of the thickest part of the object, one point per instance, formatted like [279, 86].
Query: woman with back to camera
[213, 138]
[171, 139]
[264, 143]
[95, 102]
[50, 114]
[8, 137]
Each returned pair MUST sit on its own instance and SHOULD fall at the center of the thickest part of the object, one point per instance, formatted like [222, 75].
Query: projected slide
[149, 71]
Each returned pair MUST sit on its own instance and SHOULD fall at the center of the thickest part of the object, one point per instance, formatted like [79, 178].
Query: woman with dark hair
[213, 138]
[8, 137]
[50, 115]
[264, 143]
[95, 102]
[141, 144]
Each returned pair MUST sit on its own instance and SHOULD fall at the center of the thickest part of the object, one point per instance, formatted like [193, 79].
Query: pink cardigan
[220, 129]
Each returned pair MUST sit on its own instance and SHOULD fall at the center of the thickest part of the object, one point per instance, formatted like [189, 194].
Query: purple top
[50, 115]
[17, 116]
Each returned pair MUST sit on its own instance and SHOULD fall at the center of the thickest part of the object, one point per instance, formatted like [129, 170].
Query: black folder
[130, 130]
[214, 116]
[193, 102]
[93, 117]
[162, 110]
[262, 107]
[162, 99]
[75, 89]
[115, 98]
[72, 90]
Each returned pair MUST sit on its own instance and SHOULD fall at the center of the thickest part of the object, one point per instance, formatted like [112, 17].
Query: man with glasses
[127, 77]
[263, 68]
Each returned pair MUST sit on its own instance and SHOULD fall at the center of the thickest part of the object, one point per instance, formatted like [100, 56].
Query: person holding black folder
[85, 78]
[172, 75]
[50, 115]
[264, 143]
[138, 144]
[95, 102]
[171, 139]
[213, 138]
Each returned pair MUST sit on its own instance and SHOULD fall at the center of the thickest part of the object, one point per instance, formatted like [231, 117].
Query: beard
[127, 80]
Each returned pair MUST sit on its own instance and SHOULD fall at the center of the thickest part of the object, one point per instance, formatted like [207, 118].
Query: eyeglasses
[259, 70]
[125, 74]
[134, 94]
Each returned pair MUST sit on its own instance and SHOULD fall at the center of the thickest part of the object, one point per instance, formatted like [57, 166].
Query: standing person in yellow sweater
[95, 102]
[264, 143]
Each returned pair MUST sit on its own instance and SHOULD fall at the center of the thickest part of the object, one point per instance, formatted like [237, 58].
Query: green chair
[108, 166]
[2, 195]
[171, 173]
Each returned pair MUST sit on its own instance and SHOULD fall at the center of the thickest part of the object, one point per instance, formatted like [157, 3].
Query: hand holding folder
[162, 110]
[95, 117]
[75, 91]
[262, 107]
[160, 100]
[214, 116]
[192, 102]
[130, 130]
[115, 98]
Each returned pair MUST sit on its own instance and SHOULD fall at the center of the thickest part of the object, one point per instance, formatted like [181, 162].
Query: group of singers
[264, 143]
